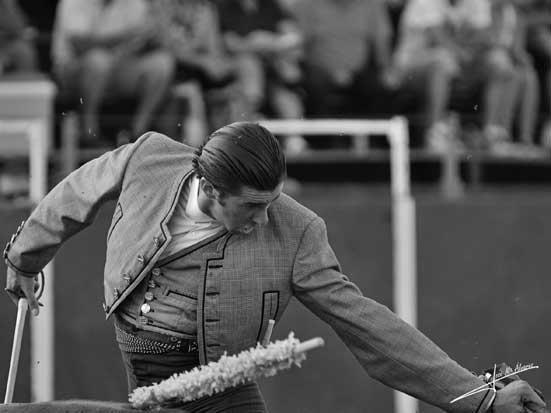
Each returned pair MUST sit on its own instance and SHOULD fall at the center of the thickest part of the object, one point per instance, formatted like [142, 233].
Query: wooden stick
[268, 334]
[310, 344]
[22, 307]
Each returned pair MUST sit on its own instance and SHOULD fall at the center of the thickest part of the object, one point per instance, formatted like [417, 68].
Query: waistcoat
[166, 300]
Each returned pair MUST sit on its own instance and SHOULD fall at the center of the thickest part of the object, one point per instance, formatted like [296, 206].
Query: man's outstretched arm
[389, 349]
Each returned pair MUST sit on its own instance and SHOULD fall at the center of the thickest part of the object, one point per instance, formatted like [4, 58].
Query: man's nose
[261, 217]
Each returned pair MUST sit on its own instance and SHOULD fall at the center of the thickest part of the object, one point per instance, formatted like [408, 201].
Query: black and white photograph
[296, 206]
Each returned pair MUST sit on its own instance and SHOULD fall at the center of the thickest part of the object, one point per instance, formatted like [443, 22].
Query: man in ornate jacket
[204, 249]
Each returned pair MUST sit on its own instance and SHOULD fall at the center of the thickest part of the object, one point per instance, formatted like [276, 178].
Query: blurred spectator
[538, 42]
[453, 45]
[17, 50]
[104, 49]
[40, 16]
[266, 46]
[17, 56]
[190, 30]
[347, 49]
[509, 34]
[343, 41]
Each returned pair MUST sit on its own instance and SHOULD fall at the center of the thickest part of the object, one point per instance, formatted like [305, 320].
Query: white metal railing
[403, 225]
[403, 206]
[36, 147]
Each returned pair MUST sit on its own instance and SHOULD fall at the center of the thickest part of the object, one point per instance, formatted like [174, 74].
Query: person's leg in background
[249, 86]
[430, 77]
[545, 139]
[284, 78]
[287, 104]
[95, 73]
[500, 83]
[436, 78]
[538, 43]
[193, 117]
[529, 102]
[151, 78]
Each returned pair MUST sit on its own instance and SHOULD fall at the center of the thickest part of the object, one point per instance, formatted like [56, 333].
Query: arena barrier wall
[483, 279]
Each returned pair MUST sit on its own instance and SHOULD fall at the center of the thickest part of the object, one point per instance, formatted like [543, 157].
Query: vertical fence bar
[404, 241]
[42, 327]
[403, 210]
[28, 111]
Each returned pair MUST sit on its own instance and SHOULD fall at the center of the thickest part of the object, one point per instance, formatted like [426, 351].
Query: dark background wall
[482, 265]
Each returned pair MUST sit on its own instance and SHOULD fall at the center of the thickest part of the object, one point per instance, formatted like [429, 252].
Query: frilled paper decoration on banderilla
[229, 371]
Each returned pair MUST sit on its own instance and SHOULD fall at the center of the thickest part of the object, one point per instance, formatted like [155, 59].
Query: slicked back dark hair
[241, 154]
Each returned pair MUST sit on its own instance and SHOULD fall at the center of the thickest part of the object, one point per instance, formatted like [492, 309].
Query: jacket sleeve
[68, 208]
[389, 349]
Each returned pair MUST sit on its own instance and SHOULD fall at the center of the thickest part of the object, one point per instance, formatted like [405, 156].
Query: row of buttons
[149, 296]
[128, 278]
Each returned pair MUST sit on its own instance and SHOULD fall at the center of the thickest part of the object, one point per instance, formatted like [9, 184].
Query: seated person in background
[17, 49]
[17, 56]
[345, 42]
[452, 45]
[104, 49]
[538, 43]
[190, 31]
[266, 47]
[510, 48]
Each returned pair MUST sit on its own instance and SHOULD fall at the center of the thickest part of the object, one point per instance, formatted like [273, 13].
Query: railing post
[404, 241]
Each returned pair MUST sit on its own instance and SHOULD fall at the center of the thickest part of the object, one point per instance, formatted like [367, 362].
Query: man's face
[242, 212]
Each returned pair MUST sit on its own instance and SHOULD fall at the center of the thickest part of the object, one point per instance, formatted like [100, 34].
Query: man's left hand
[18, 286]
[518, 397]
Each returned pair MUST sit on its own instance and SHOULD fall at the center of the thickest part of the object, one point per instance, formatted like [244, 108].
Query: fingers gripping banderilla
[17, 293]
[22, 308]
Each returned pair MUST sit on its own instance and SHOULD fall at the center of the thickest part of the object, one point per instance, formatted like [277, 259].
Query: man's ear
[207, 188]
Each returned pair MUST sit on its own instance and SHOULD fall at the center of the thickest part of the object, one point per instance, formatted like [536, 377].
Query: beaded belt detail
[133, 344]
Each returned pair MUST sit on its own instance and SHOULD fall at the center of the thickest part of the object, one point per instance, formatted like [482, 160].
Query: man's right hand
[518, 397]
[19, 286]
